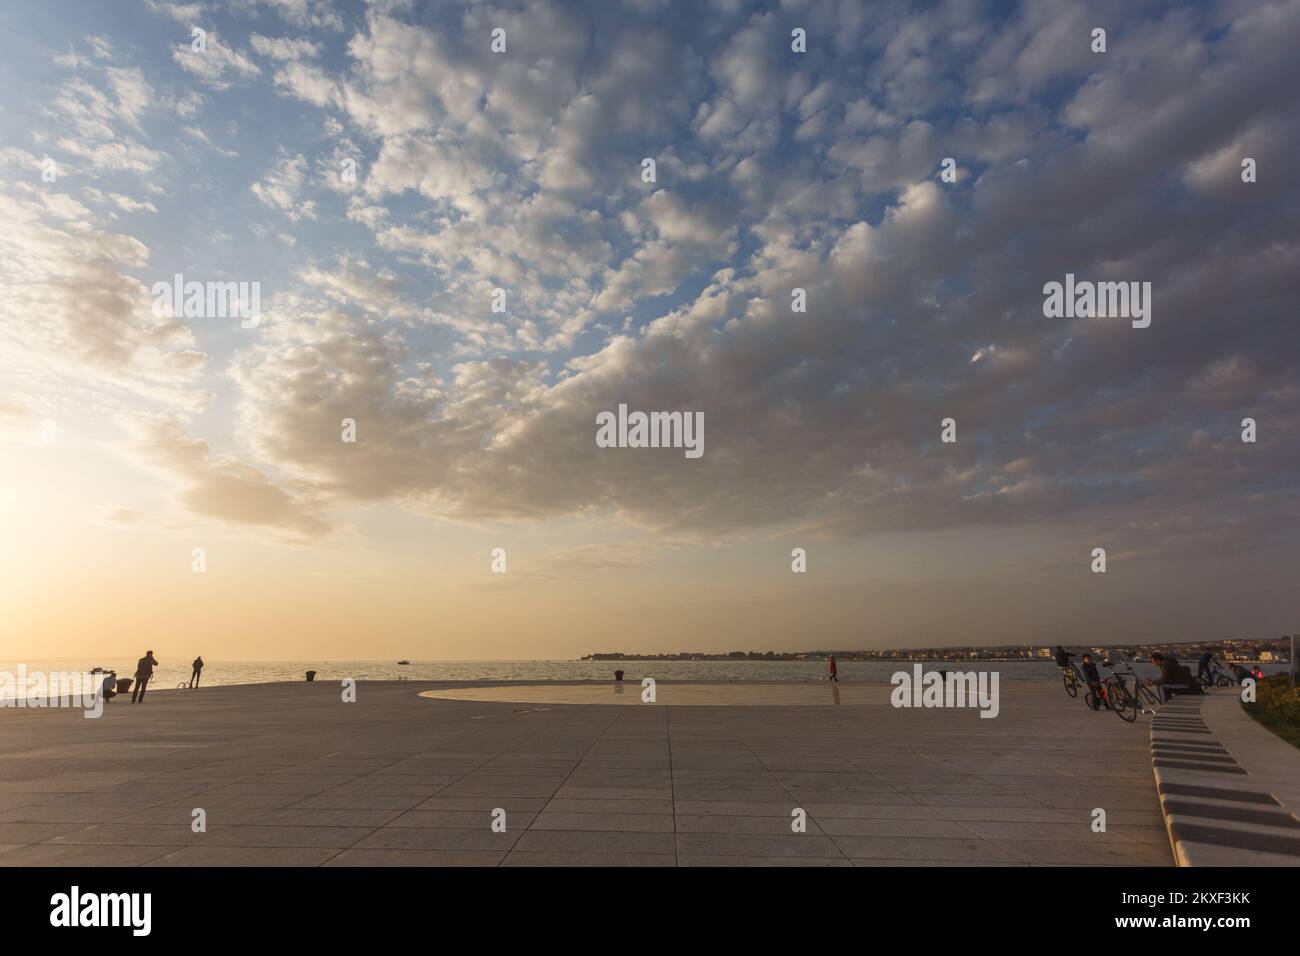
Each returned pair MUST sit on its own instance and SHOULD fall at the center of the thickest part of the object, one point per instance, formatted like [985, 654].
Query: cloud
[223, 488]
[280, 187]
[217, 66]
[309, 83]
[317, 14]
[74, 320]
[178, 10]
[358, 283]
[776, 171]
[284, 48]
[196, 133]
[133, 92]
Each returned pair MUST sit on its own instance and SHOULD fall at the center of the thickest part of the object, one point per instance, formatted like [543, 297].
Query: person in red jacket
[834, 670]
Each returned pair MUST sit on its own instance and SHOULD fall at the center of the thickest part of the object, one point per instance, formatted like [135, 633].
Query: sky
[379, 169]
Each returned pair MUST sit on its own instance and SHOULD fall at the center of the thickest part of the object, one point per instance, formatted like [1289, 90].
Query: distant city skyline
[821, 235]
[1270, 648]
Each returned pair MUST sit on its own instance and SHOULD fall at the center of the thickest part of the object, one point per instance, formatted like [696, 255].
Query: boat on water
[403, 662]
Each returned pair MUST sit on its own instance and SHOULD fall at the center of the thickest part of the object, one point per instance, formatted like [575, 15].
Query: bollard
[311, 676]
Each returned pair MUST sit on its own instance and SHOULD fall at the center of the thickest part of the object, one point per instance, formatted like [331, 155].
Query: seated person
[1240, 673]
[1174, 677]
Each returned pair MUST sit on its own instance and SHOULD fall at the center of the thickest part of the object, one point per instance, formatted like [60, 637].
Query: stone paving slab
[289, 775]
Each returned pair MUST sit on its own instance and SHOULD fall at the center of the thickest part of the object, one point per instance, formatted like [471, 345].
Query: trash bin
[124, 685]
[618, 675]
[311, 676]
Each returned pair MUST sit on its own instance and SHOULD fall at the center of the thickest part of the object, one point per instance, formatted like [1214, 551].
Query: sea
[223, 672]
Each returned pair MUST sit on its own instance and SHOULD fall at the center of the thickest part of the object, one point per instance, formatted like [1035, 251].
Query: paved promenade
[288, 774]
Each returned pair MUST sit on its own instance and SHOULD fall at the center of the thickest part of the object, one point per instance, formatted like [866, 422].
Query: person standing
[1093, 677]
[1203, 666]
[834, 670]
[143, 674]
[198, 671]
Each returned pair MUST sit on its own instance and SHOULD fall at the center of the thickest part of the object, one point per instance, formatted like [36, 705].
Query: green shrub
[1278, 707]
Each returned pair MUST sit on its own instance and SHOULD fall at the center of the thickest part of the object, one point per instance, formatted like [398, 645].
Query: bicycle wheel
[1121, 703]
[1071, 685]
[1224, 681]
[1091, 700]
[1147, 699]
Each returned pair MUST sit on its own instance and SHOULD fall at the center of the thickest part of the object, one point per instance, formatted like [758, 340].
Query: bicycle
[1111, 695]
[1071, 678]
[1141, 698]
[1214, 676]
[1114, 694]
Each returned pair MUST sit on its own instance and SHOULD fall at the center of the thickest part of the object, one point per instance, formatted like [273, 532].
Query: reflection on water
[835, 692]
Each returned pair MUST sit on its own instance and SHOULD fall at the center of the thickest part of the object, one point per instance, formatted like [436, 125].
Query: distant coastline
[1276, 650]
[1013, 664]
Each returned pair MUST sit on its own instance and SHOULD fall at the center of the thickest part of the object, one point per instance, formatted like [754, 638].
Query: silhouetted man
[143, 673]
[198, 671]
[1203, 665]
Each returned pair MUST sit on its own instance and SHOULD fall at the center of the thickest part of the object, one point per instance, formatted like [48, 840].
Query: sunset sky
[128, 439]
